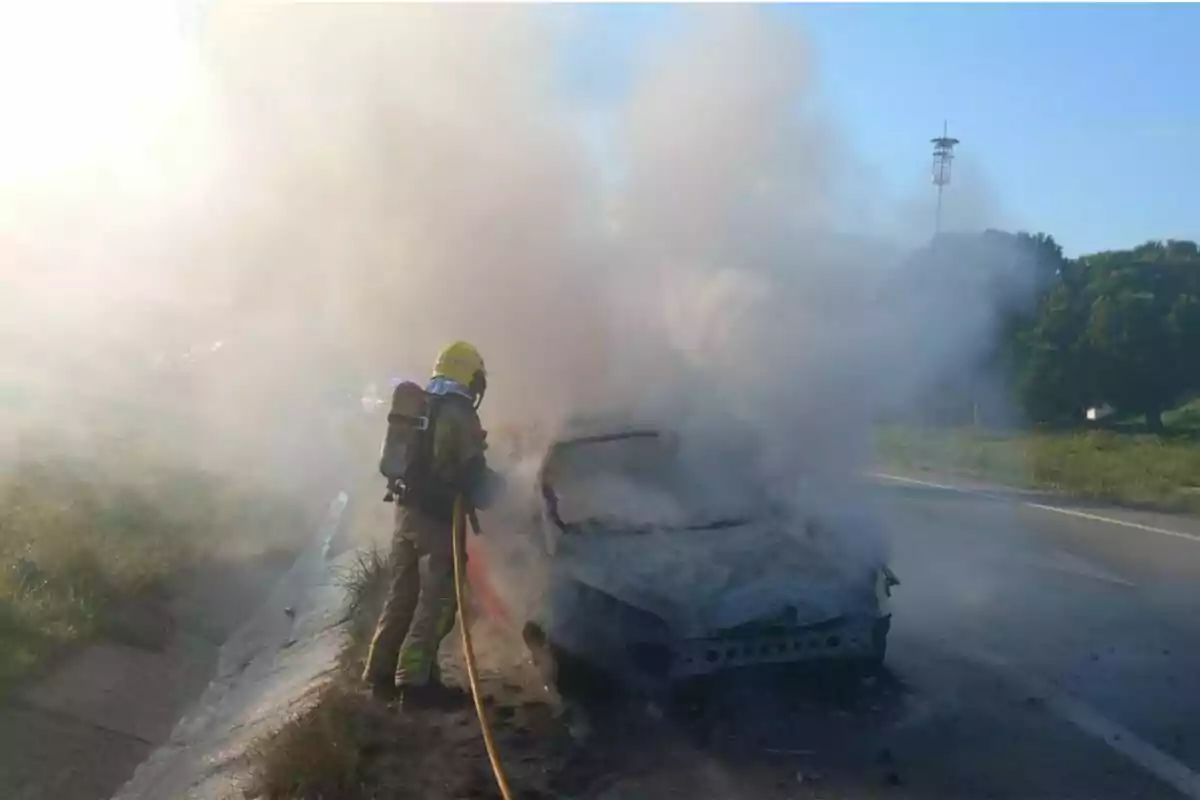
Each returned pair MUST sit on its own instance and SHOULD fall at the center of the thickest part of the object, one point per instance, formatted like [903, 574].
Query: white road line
[1097, 518]
[1087, 719]
[1070, 512]
[930, 484]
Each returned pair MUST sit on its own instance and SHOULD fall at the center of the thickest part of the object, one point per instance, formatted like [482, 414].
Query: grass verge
[1137, 470]
[345, 745]
[90, 548]
[318, 753]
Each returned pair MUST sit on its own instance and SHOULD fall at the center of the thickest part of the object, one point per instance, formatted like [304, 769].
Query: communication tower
[943, 158]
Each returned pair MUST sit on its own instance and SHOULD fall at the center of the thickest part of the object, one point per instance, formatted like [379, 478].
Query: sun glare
[86, 82]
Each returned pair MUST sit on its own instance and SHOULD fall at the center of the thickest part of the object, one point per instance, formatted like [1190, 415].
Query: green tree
[1121, 327]
[1048, 358]
[1142, 335]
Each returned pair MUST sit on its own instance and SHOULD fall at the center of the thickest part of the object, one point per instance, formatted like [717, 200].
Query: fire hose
[469, 651]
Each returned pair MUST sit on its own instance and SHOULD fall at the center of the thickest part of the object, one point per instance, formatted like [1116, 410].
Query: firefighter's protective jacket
[457, 457]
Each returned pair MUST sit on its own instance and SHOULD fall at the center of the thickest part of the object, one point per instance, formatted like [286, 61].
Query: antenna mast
[943, 158]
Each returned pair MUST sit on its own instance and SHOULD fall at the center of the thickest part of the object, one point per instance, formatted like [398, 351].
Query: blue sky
[1084, 119]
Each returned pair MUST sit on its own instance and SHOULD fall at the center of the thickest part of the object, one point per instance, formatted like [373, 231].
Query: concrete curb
[265, 672]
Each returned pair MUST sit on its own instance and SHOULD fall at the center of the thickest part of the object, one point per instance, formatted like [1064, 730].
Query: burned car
[645, 563]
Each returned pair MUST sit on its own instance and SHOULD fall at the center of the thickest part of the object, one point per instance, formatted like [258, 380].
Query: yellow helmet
[461, 362]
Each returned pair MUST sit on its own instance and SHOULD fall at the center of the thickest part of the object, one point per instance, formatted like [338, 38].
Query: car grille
[845, 639]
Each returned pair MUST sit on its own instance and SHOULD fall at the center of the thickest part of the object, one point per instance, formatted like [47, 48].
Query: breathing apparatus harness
[416, 484]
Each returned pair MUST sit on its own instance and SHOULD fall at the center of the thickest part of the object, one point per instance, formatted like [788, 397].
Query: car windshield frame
[590, 524]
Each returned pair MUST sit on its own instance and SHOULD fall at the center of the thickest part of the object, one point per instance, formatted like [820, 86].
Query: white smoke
[335, 191]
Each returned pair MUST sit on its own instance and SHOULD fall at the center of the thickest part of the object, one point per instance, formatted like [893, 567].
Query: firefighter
[415, 617]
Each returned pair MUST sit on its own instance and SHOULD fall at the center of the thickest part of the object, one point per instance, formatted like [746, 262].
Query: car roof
[604, 428]
[607, 436]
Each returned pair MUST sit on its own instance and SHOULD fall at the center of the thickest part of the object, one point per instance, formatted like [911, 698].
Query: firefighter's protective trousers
[417, 615]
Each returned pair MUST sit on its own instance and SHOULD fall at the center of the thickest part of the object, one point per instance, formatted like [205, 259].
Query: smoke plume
[325, 194]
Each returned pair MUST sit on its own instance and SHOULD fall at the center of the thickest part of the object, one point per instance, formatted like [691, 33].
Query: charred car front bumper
[851, 639]
[639, 646]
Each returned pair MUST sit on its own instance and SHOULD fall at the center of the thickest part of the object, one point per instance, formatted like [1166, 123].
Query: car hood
[704, 581]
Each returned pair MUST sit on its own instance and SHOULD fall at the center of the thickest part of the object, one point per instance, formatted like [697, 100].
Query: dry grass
[316, 755]
[89, 545]
[346, 745]
[365, 583]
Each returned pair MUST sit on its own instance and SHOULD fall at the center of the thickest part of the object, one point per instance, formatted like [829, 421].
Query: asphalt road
[1085, 620]
[1039, 650]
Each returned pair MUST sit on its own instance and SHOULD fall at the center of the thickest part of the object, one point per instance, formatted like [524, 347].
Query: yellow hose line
[469, 652]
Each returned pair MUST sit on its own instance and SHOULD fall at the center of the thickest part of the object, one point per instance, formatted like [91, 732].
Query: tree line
[1120, 327]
